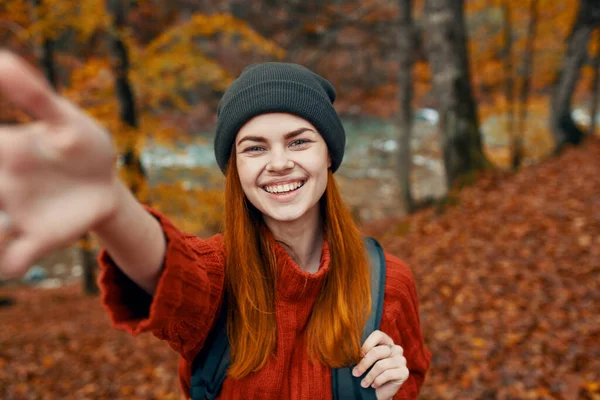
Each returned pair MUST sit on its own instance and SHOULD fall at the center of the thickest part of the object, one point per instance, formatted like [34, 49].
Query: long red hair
[342, 308]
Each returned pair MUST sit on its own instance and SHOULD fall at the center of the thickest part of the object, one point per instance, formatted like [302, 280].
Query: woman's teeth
[288, 187]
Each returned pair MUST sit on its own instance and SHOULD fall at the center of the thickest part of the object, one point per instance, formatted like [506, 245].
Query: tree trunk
[7, 302]
[508, 70]
[517, 145]
[89, 265]
[405, 36]
[446, 48]
[596, 68]
[88, 260]
[562, 125]
[46, 53]
[135, 173]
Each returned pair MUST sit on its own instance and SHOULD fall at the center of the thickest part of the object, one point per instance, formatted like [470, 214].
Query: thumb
[18, 255]
[23, 85]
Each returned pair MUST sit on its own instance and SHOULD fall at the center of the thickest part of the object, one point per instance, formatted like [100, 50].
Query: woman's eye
[299, 142]
[253, 149]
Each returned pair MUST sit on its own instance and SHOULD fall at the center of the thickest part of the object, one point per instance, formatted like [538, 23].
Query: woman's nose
[280, 161]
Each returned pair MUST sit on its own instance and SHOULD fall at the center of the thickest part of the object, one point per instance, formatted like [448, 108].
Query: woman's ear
[328, 160]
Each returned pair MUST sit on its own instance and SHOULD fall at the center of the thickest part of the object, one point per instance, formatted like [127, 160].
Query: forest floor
[509, 282]
[508, 274]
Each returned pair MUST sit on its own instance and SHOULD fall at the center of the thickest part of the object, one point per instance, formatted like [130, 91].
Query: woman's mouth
[283, 189]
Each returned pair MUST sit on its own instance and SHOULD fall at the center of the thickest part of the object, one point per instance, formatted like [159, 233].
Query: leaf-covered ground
[58, 344]
[509, 282]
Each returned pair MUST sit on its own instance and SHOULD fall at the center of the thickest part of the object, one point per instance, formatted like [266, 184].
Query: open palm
[57, 174]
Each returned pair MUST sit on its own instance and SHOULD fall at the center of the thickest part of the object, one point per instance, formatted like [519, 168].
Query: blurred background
[472, 154]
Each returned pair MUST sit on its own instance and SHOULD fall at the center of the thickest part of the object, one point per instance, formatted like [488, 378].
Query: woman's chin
[283, 215]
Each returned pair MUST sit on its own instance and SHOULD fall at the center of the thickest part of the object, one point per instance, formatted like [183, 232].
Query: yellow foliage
[493, 73]
[173, 62]
[209, 25]
[92, 16]
[15, 11]
[54, 17]
[156, 129]
[500, 157]
[194, 210]
[594, 44]
[593, 386]
[485, 109]
[422, 71]
[474, 6]
[160, 77]
[160, 73]
[422, 79]
[129, 138]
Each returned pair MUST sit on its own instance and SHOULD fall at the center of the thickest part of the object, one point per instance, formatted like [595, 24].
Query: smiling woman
[290, 276]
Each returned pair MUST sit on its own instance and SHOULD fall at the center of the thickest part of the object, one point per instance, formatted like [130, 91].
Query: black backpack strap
[344, 384]
[209, 368]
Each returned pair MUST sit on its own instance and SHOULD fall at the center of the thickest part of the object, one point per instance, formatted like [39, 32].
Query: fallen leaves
[509, 282]
[58, 344]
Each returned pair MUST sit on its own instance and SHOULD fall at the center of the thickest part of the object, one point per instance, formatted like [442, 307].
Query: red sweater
[189, 296]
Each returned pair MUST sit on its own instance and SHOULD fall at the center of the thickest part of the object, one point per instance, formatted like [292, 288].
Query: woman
[291, 261]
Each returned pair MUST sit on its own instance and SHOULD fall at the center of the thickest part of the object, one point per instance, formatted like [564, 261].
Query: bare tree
[563, 127]
[46, 54]
[127, 109]
[446, 48]
[508, 69]
[517, 145]
[405, 41]
[596, 68]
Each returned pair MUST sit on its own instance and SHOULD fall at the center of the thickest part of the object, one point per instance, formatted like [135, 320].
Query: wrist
[116, 209]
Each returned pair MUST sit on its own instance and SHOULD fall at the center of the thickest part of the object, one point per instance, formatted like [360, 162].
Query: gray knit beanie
[279, 87]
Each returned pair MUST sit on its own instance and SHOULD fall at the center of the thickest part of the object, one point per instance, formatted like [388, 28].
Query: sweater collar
[295, 284]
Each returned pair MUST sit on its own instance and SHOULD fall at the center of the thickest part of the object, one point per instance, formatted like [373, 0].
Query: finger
[379, 367]
[374, 355]
[397, 350]
[397, 376]
[6, 230]
[25, 86]
[11, 129]
[17, 256]
[376, 338]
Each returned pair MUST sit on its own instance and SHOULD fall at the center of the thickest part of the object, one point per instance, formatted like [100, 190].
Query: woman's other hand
[388, 371]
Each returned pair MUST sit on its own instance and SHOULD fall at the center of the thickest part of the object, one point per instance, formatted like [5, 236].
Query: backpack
[210, 366]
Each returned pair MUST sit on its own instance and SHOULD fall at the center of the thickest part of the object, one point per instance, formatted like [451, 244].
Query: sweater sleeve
[187, 297]
[401, 314]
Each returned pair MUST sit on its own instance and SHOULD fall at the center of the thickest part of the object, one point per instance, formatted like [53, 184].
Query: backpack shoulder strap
[377, 262]
[210, 366]
[344, 384]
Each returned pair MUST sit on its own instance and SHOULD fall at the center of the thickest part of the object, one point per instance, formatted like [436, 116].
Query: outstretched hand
[57, 174]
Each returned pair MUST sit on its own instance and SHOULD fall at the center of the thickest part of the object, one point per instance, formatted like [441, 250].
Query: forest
[472, 154]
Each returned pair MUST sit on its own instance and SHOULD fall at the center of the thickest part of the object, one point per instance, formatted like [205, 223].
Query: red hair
[342, 308]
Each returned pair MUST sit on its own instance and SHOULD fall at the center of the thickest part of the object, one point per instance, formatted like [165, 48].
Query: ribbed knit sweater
[189, 296]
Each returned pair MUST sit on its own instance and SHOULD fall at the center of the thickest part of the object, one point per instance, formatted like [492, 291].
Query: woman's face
[282, 163]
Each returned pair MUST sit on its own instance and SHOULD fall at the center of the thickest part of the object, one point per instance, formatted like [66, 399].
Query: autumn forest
[472, 154]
